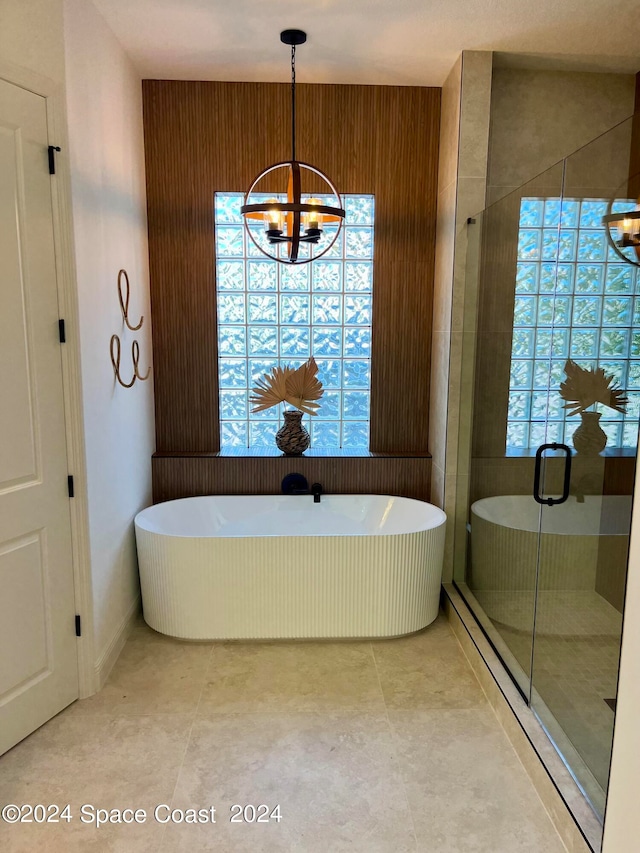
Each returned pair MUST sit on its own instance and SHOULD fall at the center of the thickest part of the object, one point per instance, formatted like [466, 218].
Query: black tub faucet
[297, 484]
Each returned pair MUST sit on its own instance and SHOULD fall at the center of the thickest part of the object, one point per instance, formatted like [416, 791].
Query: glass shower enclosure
[552, 360]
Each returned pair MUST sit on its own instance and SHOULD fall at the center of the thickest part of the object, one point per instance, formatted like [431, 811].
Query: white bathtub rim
[435, 518]
[297, 535]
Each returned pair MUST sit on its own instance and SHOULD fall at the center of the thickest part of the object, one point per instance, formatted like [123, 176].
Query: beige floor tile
[302, 725]
[466, 787]
[334, 775]
[427, 670]
[104, 762]
[251, 678]
[154, 675]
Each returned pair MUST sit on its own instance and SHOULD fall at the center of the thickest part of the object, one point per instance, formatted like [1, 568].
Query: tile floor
[371, 747]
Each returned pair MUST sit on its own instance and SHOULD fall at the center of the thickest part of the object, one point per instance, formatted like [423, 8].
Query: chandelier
[294, 221]
[626, 225]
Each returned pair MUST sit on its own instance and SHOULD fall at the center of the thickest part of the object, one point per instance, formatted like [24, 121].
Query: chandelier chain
[293, 102]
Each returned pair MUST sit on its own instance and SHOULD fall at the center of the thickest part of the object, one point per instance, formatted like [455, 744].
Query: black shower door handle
[567, 475]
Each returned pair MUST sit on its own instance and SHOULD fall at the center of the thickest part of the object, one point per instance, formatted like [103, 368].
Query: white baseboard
[108, 658]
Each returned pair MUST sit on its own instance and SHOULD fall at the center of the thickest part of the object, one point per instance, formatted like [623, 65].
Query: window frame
[235, 265]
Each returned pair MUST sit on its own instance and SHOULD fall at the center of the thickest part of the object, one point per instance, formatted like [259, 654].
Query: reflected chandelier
[627, 225]
[292, 225]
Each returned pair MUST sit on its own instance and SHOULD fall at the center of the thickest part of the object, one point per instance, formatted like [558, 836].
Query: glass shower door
[511, 282]
[548, 304]
[583, 546]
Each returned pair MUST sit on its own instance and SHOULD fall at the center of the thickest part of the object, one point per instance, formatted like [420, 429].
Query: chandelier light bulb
[273, 220]
[312, 220]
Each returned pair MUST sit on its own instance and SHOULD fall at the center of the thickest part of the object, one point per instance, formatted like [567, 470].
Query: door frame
[53, 93]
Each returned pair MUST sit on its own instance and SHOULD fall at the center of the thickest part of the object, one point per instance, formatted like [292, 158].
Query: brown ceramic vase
[292, 438]
[590, 439]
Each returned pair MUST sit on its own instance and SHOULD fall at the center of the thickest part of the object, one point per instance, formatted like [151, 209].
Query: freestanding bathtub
[280, 566]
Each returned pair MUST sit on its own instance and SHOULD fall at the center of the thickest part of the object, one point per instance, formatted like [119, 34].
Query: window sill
[270, 453]
[608, 452]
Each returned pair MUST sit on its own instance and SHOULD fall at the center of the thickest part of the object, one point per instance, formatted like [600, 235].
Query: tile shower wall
[538, 117]
[462, 182]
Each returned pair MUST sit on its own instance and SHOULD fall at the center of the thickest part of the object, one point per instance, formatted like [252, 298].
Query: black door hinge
[52, 158]
[62, 331]
[70, 485]
[78, 626]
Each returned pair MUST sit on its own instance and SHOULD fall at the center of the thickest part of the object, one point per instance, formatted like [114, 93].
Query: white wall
[622, 818]
[104, 105]
[31, 36]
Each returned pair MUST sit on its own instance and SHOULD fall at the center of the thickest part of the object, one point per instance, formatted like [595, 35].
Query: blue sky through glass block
[327, 341]
[229, 241]
[355, 435]
[583, 286]
[232, 340]
[263, 340]
[233, 405]
[325, 434]
[357, 341]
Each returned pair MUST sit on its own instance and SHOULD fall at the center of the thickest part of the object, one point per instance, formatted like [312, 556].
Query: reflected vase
[293, 438]
[590, 439]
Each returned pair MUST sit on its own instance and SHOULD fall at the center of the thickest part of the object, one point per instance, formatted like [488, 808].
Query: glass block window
[275, 314]
[574, 298]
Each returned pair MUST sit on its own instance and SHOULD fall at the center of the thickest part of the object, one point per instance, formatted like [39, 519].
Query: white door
[38, 656]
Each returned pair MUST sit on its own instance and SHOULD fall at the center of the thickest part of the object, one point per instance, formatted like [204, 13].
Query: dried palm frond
[304, 387]
[271, 389]
[582, 388]
[300, 388]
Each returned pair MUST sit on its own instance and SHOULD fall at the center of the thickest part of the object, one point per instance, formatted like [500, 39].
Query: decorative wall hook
[135, 356]
[114, 348]
[124, 301]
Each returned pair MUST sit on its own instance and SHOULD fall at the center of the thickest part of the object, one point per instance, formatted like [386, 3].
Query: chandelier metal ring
[612, 219]
[295, 208]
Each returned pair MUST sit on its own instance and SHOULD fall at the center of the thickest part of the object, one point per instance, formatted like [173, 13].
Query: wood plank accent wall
[187, 476]
[203, 137]
[634, 160]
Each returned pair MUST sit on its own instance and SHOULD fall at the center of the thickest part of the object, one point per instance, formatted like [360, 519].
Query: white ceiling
[392, 42]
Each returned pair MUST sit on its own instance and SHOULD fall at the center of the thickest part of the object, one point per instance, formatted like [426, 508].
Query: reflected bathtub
[583, 546]
[282, 567]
